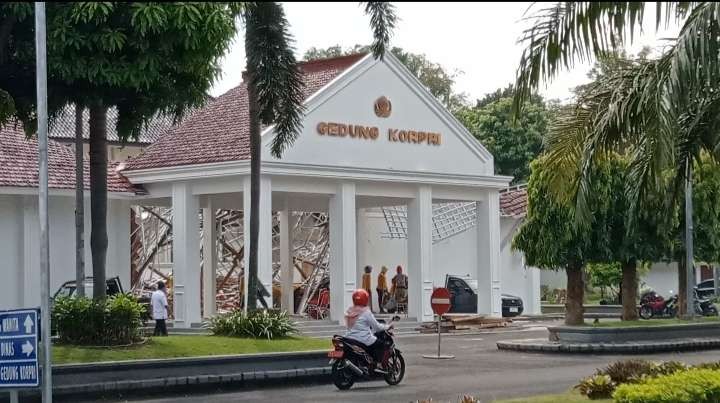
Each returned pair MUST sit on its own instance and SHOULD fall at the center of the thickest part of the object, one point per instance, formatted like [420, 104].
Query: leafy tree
[549, 239]
[512, 144]
[275, 94]
[604, 276]
[667, 110]
[434, 77]
[143, 58]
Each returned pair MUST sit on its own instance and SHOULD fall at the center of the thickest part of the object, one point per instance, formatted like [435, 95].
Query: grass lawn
[570, 397]
[185, 346]
[653, 322]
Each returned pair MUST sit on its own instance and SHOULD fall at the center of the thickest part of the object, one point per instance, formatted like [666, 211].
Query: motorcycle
[654, 305]
[704, 306]
[351, 362]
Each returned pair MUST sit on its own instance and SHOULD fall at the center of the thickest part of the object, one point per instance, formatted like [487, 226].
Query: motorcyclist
[363, 327]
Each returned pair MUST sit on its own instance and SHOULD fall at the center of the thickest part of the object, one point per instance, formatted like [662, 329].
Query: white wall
[455, 255]
[20, 240]
[353, 104]
[662, 278]
[516, 278]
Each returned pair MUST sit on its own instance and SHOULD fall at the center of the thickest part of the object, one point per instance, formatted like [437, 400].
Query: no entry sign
[440, 301]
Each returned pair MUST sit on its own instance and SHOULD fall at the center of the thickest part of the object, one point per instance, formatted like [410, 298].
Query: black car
[463, 298]
[706, 289]
[113, 287]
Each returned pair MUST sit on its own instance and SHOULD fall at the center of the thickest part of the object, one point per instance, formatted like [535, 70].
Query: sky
[477, 39]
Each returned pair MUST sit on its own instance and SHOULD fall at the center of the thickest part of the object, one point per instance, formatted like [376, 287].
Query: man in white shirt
[159, 307]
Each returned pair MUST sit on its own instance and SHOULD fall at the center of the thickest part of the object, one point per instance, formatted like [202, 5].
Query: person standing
[159, 307]
[400, 286]
[382, 288]
[367, 284]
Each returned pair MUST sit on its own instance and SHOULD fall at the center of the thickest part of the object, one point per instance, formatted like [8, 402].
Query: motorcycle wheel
[646, 312]
[395, 368]
[342, 377]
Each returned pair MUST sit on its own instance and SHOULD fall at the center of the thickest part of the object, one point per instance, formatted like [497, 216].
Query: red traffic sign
[440, 301]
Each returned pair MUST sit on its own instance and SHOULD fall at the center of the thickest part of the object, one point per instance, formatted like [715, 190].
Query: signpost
[440, 303]
[19, 350]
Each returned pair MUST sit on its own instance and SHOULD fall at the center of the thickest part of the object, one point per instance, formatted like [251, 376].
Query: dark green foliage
[257, 324]
[85, 322]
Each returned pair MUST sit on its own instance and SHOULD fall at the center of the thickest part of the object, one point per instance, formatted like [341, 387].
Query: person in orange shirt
[382, 288]
[367, 284]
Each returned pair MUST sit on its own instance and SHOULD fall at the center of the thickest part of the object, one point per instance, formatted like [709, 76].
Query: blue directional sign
[18, 348]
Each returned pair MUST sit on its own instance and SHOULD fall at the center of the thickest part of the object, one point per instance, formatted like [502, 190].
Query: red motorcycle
[351, 362]
[654, 305]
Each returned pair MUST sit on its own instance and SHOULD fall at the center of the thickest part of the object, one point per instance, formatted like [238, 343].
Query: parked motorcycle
[351, 362]
[704, 306]
[653, 304]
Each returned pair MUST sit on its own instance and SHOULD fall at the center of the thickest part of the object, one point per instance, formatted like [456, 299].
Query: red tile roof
[219, 132]
[513, 202]
[19, 162]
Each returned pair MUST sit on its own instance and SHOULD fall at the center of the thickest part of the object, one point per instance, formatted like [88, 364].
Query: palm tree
[275, 95]
[663, 110]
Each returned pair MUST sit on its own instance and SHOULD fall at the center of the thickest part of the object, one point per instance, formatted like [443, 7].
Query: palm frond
[382, 21]
[567, 33]
[273, 70]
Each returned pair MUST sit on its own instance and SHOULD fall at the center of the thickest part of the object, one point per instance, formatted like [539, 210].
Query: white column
[186, 256]
[209, 260]
[533, 305]
[265, 236]
[287, 270]
[343, 260]
[488, 267]
[420, 232]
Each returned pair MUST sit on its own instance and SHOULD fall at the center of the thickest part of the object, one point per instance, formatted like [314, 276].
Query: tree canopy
[512, 144]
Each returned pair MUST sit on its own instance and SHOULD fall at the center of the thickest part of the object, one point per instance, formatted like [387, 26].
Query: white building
[20, 225]
[373, 137]
[374, 140]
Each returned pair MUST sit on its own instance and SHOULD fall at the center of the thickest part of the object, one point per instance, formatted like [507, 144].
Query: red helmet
[360, 297]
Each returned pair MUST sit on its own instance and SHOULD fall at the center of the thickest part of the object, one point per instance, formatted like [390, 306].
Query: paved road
[479, 369]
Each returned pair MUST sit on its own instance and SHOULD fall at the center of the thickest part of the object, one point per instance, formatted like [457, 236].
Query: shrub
[691, 386]
[628, 371]
[596, 387]
[667, 368]
[258, 324]
[113, 321]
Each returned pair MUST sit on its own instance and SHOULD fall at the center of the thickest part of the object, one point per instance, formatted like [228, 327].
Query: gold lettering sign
[345, 130]
[373, 132]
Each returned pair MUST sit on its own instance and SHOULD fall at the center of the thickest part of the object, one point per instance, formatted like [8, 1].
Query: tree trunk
[98, 196]
[574, 309]
[629, 290]
[79, 205]
[255, 144]
[682, 287]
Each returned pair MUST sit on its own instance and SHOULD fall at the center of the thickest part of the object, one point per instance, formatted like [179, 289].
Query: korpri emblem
[383, 107]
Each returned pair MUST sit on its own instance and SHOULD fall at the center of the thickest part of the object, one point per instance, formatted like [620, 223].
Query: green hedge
[82, 321]
[691, 386]
[258, 324]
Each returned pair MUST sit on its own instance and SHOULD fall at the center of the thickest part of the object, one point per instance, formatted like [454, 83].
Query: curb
[185, 361]
[545, 346]
[235, 379]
